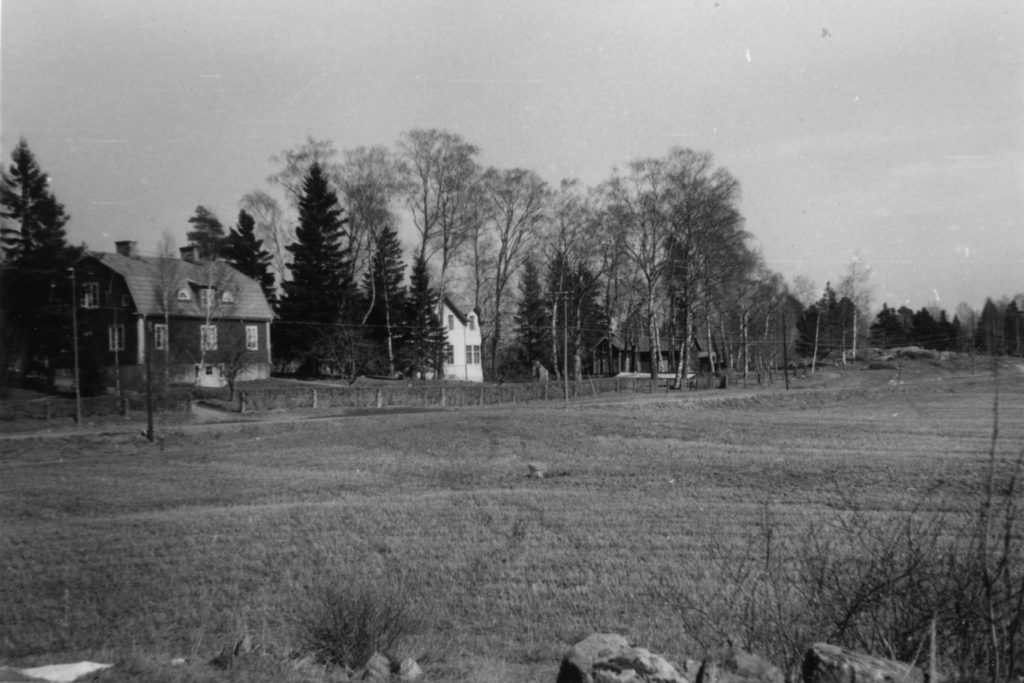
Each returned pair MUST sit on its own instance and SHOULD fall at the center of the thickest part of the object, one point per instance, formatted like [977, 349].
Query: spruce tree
[320, 294]
[423, 338]
[245, 252]
[383, 295]
[35, 324]
[533, 320]
[207, 233]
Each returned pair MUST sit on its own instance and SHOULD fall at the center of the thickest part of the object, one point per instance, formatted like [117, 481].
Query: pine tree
[383, 295]
[320, 294]
[423, 338]
[35, 324]
[207, 233]
[38, 241]
[533, 320]
[245, 252]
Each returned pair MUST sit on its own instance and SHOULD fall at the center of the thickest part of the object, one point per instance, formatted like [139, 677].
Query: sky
[887, 132]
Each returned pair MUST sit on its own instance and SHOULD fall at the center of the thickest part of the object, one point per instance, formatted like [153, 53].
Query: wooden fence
[323, 396]
[447, 394]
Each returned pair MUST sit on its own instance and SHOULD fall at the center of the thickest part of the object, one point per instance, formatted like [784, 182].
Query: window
[126, 301]
[90, 295]
[206, 297]
[449, 354]
[252, 338]
[451, 321]
[115, 337]
[472, 322]
[473, 355]
[227, 298]
[160, 337]
[208, 337]
[183, 295]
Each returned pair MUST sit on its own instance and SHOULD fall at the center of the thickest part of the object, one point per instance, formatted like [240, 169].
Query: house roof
[455, 308]
[642, 343]
[147, 277]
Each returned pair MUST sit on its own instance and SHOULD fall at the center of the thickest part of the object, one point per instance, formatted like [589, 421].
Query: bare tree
[442, 184]
[295, 164]
[514, 207]
[167, 281]
[271, 228]
[370, 182]
[855, 286]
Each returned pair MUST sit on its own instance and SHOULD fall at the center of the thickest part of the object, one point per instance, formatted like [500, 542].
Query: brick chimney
[190, 253]
[129, 248]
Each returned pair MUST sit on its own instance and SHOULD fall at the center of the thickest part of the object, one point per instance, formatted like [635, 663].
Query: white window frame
[227, 297]
[115, 337]
[449, 354]
[160, 337]
[208, 337]
[90, 295]
[252, 338]
[183, 295]
[471, 320]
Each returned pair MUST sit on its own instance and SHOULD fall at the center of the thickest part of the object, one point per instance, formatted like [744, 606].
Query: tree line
[655, 258]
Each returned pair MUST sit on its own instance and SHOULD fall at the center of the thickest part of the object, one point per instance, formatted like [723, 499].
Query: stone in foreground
[609, 658]
[826, 663]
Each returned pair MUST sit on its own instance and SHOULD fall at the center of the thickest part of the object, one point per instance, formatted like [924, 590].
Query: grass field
[112, 549]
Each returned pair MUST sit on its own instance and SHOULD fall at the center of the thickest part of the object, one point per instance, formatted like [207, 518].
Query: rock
[730, 664]
[537, 470]
[826, 663]
[63, 673]
[377, 668]
[609, 658]
[178, 661]
[409, 670]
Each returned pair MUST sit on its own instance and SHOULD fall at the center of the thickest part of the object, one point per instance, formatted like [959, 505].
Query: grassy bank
[114, 548]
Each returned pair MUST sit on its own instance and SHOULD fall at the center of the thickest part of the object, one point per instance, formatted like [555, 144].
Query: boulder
[377, 668]
[826, 663]
[409, 670]
[609, 658]
[731, 664]
[537, 470]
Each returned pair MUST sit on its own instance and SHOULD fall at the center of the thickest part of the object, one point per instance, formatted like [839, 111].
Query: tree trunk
[684, 351]
[814, 357]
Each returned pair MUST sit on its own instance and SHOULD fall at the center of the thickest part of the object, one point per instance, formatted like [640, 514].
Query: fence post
[314, 399]
[124, 405]
[380, 399]
[481, 394]
[545, 391]
[444, 397]
[634, 385]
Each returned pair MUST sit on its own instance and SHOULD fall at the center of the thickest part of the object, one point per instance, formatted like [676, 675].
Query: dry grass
[145, 552]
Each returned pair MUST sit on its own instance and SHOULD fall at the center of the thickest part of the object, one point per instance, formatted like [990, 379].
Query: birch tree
[514, 208]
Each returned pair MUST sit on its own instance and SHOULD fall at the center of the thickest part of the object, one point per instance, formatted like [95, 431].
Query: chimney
[127, 248]
[190, 253]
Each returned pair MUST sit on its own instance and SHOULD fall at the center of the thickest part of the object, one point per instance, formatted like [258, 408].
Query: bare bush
[884, 584]
[345, 625]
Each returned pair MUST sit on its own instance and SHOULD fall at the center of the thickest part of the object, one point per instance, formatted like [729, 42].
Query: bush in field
[345, 625]
[896, 587]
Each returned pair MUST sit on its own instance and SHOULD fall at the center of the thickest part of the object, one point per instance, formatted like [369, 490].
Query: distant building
[463, 359]
[201, 321]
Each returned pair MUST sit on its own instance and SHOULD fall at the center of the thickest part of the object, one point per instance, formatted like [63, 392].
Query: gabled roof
[456, 309]
[147, 277]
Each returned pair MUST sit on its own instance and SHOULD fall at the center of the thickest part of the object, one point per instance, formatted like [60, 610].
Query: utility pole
[74, 344]
[564, 296]
[147, 336]
[785, 359]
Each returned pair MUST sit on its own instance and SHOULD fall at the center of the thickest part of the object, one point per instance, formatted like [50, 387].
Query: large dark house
[203, 321]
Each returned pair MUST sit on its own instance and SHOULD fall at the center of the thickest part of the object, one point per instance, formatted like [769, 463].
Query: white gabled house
[463, 360]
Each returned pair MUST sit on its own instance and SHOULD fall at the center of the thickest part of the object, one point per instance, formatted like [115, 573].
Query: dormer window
[227, 298]
[183, 295]
[472, 321]
[89, 296]
[206, 297]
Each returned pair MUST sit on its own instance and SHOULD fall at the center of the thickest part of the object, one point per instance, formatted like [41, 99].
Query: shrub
[344, 626]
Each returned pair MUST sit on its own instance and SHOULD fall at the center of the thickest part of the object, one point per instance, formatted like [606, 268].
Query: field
[112, 549]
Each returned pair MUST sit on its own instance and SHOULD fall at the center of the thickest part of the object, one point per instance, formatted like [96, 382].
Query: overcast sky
[889, 131]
